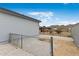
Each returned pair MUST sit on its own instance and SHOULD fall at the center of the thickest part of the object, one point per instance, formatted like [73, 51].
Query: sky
[48, 13]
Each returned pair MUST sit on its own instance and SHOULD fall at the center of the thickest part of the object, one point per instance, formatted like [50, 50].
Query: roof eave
[3, 10]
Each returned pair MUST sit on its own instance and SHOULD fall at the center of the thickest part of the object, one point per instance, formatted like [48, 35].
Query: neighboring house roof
[3, 10]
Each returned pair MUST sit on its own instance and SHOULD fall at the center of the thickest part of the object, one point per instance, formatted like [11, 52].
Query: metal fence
[15, 39]
[29, 42]
[18, 40]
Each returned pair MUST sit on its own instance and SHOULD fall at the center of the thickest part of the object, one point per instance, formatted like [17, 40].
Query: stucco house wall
[13, 24]
[75, 34]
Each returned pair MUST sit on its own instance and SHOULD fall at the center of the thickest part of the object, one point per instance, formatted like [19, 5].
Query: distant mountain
[60, 26]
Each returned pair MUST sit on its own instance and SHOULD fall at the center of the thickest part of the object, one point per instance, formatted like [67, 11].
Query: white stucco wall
[13, 24]
[75, 34]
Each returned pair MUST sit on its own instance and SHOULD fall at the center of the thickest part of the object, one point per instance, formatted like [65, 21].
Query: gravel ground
[9, 50]
[37, 47]
[31, 47]
[63, 46]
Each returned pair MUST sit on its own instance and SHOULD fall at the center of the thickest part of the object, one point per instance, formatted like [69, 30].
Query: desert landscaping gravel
[9, 50]
[63, 46]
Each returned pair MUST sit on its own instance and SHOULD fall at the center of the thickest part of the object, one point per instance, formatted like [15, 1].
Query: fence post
[9, 38]
[51, 39]
[21, 42]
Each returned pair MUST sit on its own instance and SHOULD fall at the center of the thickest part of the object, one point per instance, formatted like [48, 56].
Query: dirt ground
[63, 46]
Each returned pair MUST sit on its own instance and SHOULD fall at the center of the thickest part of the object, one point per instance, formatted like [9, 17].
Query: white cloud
[66, 22]
[65, 3]
[41, 13]
[45, 17]
[48, 18]
[63, 22]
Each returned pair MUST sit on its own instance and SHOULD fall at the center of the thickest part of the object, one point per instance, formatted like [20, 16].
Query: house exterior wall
[75, 34]
[13, 24]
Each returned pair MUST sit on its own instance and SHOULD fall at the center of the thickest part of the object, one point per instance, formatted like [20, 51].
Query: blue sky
[49, 14]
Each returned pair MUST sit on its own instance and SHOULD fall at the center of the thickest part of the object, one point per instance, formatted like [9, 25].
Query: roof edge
[4, 10]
